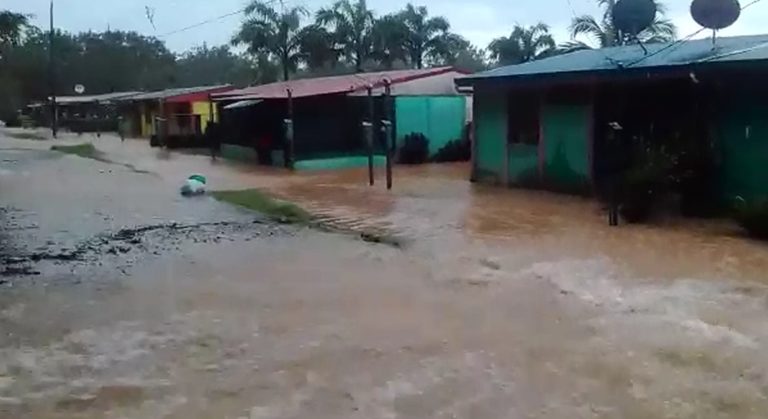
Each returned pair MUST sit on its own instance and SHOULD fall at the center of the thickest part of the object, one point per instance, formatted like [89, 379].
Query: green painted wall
[440, 118]
[238, 153]
[339, 163]
[490, 134]
[523, 163]
[744, 147]
[565, 131]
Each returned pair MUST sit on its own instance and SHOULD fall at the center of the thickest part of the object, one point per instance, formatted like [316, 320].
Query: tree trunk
[285, 67]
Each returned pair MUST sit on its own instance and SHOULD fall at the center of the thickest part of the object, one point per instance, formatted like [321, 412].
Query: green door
[566, 145]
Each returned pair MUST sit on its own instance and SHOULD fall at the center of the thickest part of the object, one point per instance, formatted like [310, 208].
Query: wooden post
[289, 146]
[368, 132]
[389, 143]
[52, 69]
[507, 149]
[211, 119]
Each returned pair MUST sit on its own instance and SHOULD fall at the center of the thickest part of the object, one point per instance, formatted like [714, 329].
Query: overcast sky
[480, 20]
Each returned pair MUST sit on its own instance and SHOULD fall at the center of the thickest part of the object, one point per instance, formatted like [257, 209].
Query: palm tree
[425, 35]
[388, 38]
[317, 48]
[523, 45]
[352, 24]
[277, 34]
[606, 34]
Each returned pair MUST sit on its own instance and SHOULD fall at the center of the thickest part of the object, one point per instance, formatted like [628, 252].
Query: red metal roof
[330, 85]
[198, 96]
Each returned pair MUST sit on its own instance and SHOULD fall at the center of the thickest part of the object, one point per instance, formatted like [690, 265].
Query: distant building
[89, 113]
[182, 113]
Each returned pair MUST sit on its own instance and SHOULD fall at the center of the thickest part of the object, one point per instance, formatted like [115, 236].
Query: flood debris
[152, 239]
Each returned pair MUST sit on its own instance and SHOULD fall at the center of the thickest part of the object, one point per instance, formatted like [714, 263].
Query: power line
[679, 42]
[212, 20]
[205, 22]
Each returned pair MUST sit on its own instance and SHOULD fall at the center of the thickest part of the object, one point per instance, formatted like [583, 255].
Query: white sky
[478, 20]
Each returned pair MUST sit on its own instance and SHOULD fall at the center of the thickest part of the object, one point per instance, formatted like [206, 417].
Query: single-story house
[86, 113]
[554, 123]
[180, 113]
[328, 113]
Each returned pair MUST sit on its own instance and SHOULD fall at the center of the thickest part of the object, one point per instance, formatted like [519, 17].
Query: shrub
[753, 216]
[415, 149]
[13, 121]
[456, 150]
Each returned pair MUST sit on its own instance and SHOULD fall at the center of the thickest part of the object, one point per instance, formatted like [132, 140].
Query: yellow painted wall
[148, 115]
[203, 109]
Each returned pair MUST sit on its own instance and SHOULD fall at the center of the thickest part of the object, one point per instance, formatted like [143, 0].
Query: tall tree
[216, 65]
[277, 34]
[523, 45]
[12, 26]
[389, 38]
[425, 34]
[352, 24]
[459, 52]
[603, 33]
[318, 48]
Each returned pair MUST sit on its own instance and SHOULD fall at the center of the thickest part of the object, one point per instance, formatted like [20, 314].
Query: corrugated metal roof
[435, 85]
[106, 97]
[330, 85]
[169, 93]
[740, 48]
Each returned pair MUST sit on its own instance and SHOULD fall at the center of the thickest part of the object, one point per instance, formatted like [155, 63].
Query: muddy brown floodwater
[501, 304]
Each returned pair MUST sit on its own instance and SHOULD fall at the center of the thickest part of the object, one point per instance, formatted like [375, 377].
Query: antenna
[633, 16]
[716, 14]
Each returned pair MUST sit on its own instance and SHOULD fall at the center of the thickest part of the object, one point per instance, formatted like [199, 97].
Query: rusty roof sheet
[330, 85]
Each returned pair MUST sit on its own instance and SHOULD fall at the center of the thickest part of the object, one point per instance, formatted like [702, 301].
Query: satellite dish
[634, 16]
[715, 14]
[79, 89]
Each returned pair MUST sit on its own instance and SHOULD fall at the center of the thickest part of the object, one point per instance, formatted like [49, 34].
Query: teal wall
[490, 114]
[523, 164]
[339, 163]
[440, 118]
[743, 139]
[566, 130]
[238, 153]
[491, 122]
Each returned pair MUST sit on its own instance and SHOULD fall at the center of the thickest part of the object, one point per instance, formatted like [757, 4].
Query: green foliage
[86, 150]
[352, 26]
[456, 150]
[12, 27]
[523, 45]
[426, 35]
[415, 149]
[645, 182]
[604, 33]
[204, 66]
[277, 210]
[276, 34]
[13, 121]
[753, 216]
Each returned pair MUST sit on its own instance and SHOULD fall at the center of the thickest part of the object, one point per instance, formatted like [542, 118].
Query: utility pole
[52, 70]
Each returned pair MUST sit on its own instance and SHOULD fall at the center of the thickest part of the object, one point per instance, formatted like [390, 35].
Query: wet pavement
[131, 302]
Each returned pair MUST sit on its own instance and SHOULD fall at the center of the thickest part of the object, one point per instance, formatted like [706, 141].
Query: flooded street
[120, 299]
